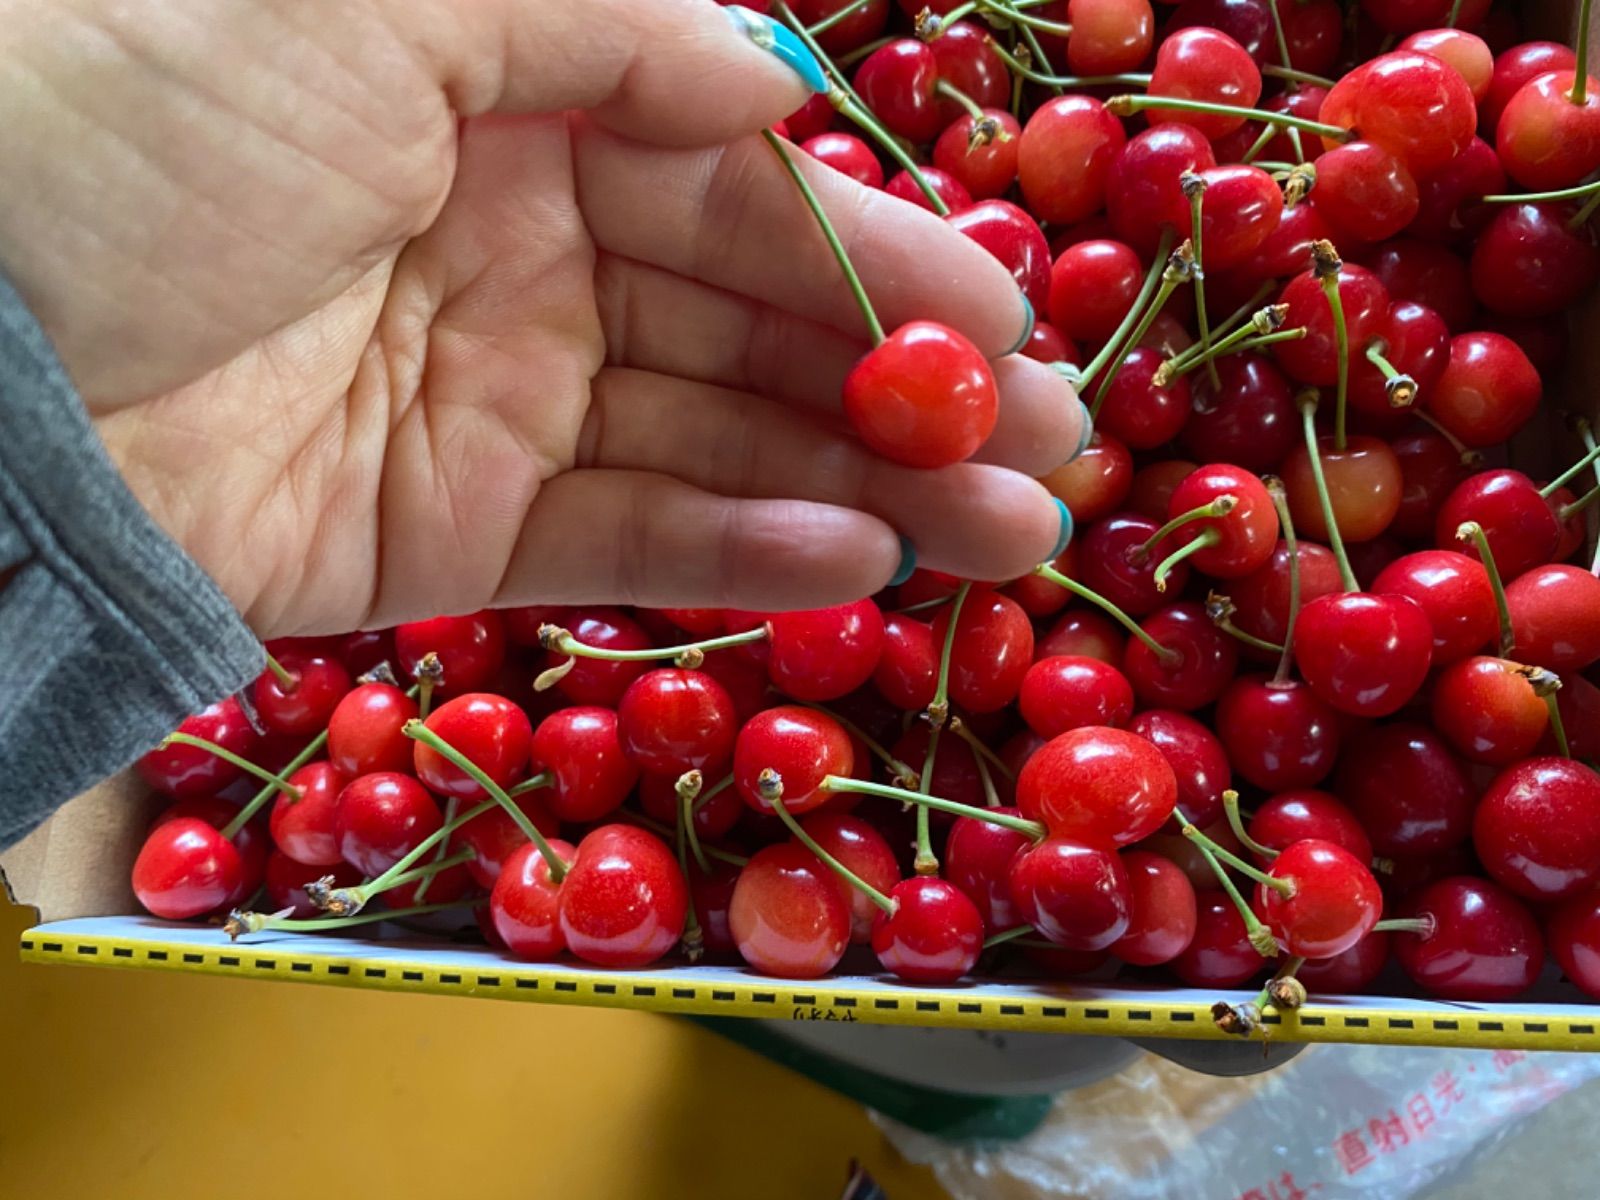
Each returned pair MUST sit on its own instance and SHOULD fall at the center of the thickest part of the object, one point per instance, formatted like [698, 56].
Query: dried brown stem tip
[1181, 265]
[1401, 390]
[769, 785]
[1286, 994]
[1239, 1022]
[552, 636]
[984, 132]
[1298, 183]
[691, 659]
[689, 785]
[1325, 260]
[1192, 184]
[1269, 319]
[1220, 608]
[382, 673]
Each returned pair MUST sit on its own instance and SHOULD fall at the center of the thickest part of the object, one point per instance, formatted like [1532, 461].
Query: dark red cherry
[1114, 565]
[1144, 180]
[305, 828]
[1415, 342]
[789, 914]
[907, 673]
[1572, 932]
[525, 904]
[303, 708]
[967, 60]
[934, 935]
[1522, 530]
[1365, 193]
[1529, 262]
[1206, 659]
[1153, 485]
[1288, 817]
[471, 649]
[624, 901]
[1488, 389]
[1353, 971]
[1278, 735]
[1430, 468]
[865, 22]
[863, 850]
[1449, 207]
[495, 836]
[822, 654]
[1092, 286]
[379, 818]
[992, 651]
[1429, 275]
[1314, 358]
[492, 732]
[1220, 954]
[1138, 411]
[1162, 911]
[286, 882]
[1197, 758]
[1261, 599]
[1015, 241]
[923, 397]
[1073, 890]
[1484, 944]
[1363, 654]
[1537, 828]
[977, 859]
[671, 721]
[579, 746]
[1413, 796]
[896, 81]
[1085, 633]
[802, 745]
[599, 680]
[1247, 419]
[1454, 593]
[188, 771]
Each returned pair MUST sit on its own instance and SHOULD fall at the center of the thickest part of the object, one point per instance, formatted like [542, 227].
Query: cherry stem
[1126, 106]
[427, 873]
[1036, 50]
[1249, 310]
[1581, 191]
[1558, 727]
[837, 867]
[1586, 432]
[1280, 502]
[844, 103]
[857, 289]
[1152, 280]
[1471, 531]
[901, 770]
[1020, 68]
[965, 102]
[1308, 409]
[1291, 74]
[844, 14]
[240, 923]
[226, 755]
[1230, 806]
[688, 788]
[1169, 658]
[417, 731]
[1326, 265]
[963, 731]
[1261, 939]
[430, 675]
[667, 833]
[1249, 870]
[1025, 20]
[268, 791]
[926, 862]
[1581, 217]
[286, 681]
[1194, 187]
[1262, 141]
[704, 797]
[1568, 511]
[1179, 267]
[1580, 82]
[1454, 14]
[1590, 459]
[1468, 456]
[343, 901]
[939, 708]
[1030, 829]
[924, 605]
[785, 14]
[1263, 330]
[1219, 506]
[450, 808]
[1422, 925]
[689, 654]
[1206, 539]
[543, 779]
[1007, 935]
[1220, 610]
[1398, 386]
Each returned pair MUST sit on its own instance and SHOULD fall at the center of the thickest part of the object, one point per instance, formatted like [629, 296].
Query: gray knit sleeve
[109, 633]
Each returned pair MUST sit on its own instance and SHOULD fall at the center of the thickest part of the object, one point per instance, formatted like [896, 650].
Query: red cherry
[253, 841]
[1144, 179]
[802, 745]
[1137, 411]
[850, 33]
[1204, 64]
[1100, 783]
[896, 81]
[1206, 661]
[1484, 946]
[908, 666]
[1314, 358]
[1040, 597]
[992, 651]
[1413, 105]
[1092, 286]
[184, 869]
[1488, 710]
[1014, 240]
[1108, 36]
[1083, 633]
[716, 812]
[1242, 540]
[1521, 528]
[1579, 702]
[1449, 207]
[1430, 469]
[955, 767]
[946, 187]
[286, 882]
[789, 915]
[1186, 855]
[1453, 591]
[600, 680]
[1196, 757]
[1115, 566]
[364, 732]
[1064, 158]
[1555, 613]
[471, 649]
[1064, 693]
[580, 747]
[494, 836]
[1332, 903]
[1305, 813]
[672, 720]
[1219, 955]
[1094, 484]
[1353, 971]
[1287, 248]
[1074, 891]
[924, 397]
[1162, 911]
[1239, 210]
[366, 650]
[712, 895]
[862, 849]
[305, 829]
[986, 170]
[1249, 419]
[1517, 66]
[624, 901]
[1468, 53]
[1262, 597]
[822, 654]
[1416, 342]
[1278, 735]
[977, 859]
[1412, 795]
[490, 731]
[525, 904]
[1363, 654]
[1153, 485]
[1530, 262]
[184, 771]
[848, 155]
[1305, 101]
[1488, 390]
[1544, 139]
[967, 60]
[1537, 828]
[379, 818]
[1364, 488]
[934, 935]
[304, 707]
[1572, 932]
[1047, 344]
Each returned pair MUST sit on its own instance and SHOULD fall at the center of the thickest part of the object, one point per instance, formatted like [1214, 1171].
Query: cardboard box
[74, 871]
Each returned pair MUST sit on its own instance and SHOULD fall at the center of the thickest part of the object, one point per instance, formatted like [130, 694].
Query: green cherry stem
[1580, 82]
[857, 289]
[1290, 74]
[1590, 459]
[1471, 531]
[1265, 323]
[1194, 190]
[1308, 411]
[1581, 192]
[1397, 385]
[1221, 506]
[1179, 268]
[1558, 727]
[417, 731]
[689, 654]
[239, 924]
[1248, 869]
[1280, 502]
[451, 807]
[1126, 106]
[1031, 829]
[344, 901]
[1568, 511]
[1170, 658]
[844, 14]
[1026, 71]
[899, 769]
[843, 102]
[1220, 609]
[1453, 15]
[1256, 147]
[833, 864]
[226, 755]
[1035, 49]
[1261, 939]
[1326, 265]
[1586, 432]
[543, 779]
[939, 708]
[1007, 935]
[1580, 218]
[268, 791]
[1204, 541]
[1230, 806]
[286, 681]
[704, 797]
[688, 788]
[964, 731]
[1025, 20]
[963, 101]
[831, 68]
[428, 872]
[666, 833]
[1422, 925]
[1152, 280]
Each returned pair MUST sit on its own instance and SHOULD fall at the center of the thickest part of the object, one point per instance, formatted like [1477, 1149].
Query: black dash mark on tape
[969, 1008]
[411, 976]
[1356, 1022]
[1054, 1012]
[338, 969]
[1180, 1016]
[566, 985]
[88, 949]
[194, 958]
[449, 979]
[1447, 1026]
[1011, 1010]
[839, 1001]
[1314, 1022]
[271, 964]
[605, 989]
[927, 1006]
[27, 943]
[1140, 1014]
[683, 993]
[1535, 1027]
[644, 991]
[1271, 1019]
[376, 973]
[55, 947]
[305, 968]
[1585, 1029]
[1492, 1026]
[121, 952]
[488, 981]
[720, 995]
[802, 999]
[527, 983]
[1097, 1014]
[764, 997]
[886, 1004]
[228, 960]
[152, 955]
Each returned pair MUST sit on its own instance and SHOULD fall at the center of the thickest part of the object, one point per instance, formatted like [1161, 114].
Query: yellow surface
[133, 1085]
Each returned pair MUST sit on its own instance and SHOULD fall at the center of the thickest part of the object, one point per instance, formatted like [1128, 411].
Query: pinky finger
[634, 537]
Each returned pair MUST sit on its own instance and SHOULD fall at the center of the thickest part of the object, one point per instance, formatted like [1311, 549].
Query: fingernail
[1086, 433]
[780, 41]
[1066, 531]
[1027, 329]
[908, 563]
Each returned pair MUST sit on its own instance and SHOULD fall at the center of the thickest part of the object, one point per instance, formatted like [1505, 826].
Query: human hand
[392, 307]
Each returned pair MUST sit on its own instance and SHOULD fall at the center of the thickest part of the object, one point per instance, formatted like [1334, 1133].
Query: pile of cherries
[1313, 690]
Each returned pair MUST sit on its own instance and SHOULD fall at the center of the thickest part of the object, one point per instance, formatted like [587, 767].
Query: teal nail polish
[1027, 329]
[908, 563]
[1086, 433]
[1066, 531]
[781, 42]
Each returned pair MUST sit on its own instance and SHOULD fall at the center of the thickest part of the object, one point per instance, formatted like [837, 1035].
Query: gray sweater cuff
[109, 634]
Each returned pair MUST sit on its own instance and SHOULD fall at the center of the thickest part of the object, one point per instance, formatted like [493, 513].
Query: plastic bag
[1335, 1123]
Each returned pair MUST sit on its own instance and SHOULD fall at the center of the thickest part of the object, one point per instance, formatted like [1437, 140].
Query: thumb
[668, 72]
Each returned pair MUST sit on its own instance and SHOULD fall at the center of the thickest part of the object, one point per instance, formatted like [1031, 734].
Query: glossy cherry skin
[1572, 932]
[1099, 783]
[1579, 702]
[1064, 158]
[1114, 566]
[366, 649]
[907, 673]
[1074, 891]
[1365, 193]
[1468, 53]
[1363, 654]
[1517, 66]
[471, 649]
[1412, 794]
[923, 397]
[864, 850]
[1488, 710]
[1488, 390]
[525, 905]
[711, 896]
[1162, 911]
[1429, 275]
[802, 745]
[1186, 855]
[1096, 483]
[1314, 358]
[1083, 633]
[1293, 816]
[1249, 420]
[185, 868]
[1262, 597]
[1286, 251]
[1364, 488]
[789, 915]
[824, 653]
[1537, 828]
[1430, 469]
[1219, 955]
[580, 747]
[1207, 659]
[1137, 411]
[492, 732]
[934, 935]
[188, 771]
[714, 815]
[955, 767]
[1530, 262]
[992, 651]
[1198, 760]
[1413, 105]
[1278, 736]
[1144, 180]
[305, 829]
[987, 170]
[945, 186]
[494, 836]
[624, 901]
[1334, 901]
[364, 732]
[1355, 970]
[896, 81]
[1449, 201]
[1092, 286]
[379, 818]
[1521, 529]
[1154, 483]
[1063, 693]
[1555, 613]
[1545, 141]
[1244, 538]
[302, 710]
[1453, 591]
[286, 882]
[1014, 240]
[1108, 36]
[671, 721]
[1485, 945]
[599, 680]
[848, 155]
[253, 842]
[967, 60]
[977, 859]
[1204, 64]
[1239, 210]
[1416, 342]
[852, 32]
